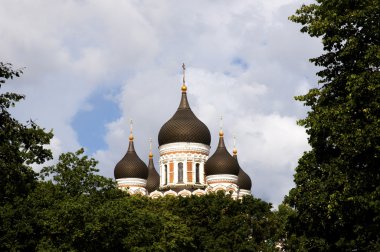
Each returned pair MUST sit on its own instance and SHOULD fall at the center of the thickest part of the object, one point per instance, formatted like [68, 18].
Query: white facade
[223, 182]
[182, 165]
[132, 185]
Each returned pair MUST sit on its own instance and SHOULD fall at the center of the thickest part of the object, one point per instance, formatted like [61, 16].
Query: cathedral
[184, 163]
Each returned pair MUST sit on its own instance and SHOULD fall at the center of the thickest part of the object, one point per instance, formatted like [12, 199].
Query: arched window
[180, 172]
[197, 173]
[166, 175]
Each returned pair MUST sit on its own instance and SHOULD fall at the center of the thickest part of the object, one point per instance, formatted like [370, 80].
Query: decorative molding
[156, 194]
[244, 192]
[199, 192]
[221, 178]
[170, 192]
[183, 148]
[184, 193]
[130, 182]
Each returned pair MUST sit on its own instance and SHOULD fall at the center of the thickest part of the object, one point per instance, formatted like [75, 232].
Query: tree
[220, 223]
[74, 175]
[20, 145]
[337, 193]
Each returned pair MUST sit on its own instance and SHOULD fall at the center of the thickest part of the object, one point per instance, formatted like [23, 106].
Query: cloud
[269, 144]
[245, 60]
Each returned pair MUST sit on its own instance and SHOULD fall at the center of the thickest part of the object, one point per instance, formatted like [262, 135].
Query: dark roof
[221, 162]
[184, 126]
[131, 166]
[153, 180]
[244, 181]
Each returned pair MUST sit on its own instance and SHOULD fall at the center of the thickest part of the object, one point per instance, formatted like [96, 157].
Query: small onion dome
[153, 181]
[221, 162]
[131, 166]
[184, 126]
[244, 181]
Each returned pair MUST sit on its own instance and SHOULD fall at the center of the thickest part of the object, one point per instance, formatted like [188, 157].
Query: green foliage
[49, 222]
[74, 175]
[72, 208]
[20, 145]
[7, 72]
[338, 182]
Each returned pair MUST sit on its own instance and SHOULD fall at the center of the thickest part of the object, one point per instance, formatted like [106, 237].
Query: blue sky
[90, 122]
[91, 66]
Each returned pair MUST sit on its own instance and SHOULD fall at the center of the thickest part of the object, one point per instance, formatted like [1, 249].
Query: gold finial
[131, 130]
[183, 88]
[150, 149]
[234, 151]
[221, 127]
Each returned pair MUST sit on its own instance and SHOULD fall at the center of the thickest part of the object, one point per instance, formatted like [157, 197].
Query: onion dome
[184, 126]
[244, 181]
[153, 180]
[221, 162]
[131, 166]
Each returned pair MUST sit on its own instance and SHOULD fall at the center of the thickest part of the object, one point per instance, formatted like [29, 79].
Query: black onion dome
[244, 181]
[131, 166]
[221, 162]
[184, 126]
[153, 181]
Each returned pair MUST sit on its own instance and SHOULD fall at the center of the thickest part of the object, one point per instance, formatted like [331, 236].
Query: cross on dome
[150, 148]
[221, 126]
[184, 88]
[234, 151]
[131, 130]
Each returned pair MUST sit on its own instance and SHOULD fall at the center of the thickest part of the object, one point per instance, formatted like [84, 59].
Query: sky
[92, 66]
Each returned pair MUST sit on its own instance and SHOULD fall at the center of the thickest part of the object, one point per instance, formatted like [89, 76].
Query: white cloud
[245, 61]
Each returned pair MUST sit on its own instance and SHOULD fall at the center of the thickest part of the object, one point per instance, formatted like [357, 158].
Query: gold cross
[184, 70]
[131, 126]
[221, 122]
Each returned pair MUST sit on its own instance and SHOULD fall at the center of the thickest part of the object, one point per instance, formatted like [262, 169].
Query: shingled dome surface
[153, 181]
[244, 181]
[131, 166]
[221, 162]
[184, 126]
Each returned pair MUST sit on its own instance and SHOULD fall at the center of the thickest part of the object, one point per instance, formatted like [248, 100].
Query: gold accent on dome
[221, 133]
[184, 88]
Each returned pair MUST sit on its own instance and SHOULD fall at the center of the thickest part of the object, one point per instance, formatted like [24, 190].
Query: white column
[161, 173]
[163, 176]
[202, 172]
[193, 170]
[185, 170]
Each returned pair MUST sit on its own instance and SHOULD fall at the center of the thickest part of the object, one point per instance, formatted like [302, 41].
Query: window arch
[180, 172]
[197, 173]
[166, 175]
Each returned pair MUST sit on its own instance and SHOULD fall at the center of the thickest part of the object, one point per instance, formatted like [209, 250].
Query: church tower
[184, 163]
[244, 181]
[184, 145]
[153, 180]
[131, 172]
[222, 170]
